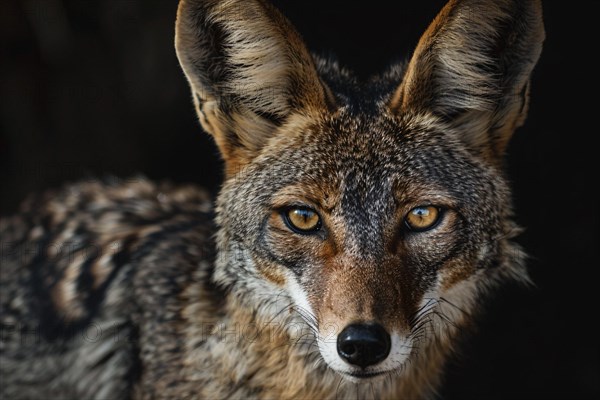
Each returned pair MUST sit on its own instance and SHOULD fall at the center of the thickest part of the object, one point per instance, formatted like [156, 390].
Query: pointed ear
[472, 68]
[248, 70]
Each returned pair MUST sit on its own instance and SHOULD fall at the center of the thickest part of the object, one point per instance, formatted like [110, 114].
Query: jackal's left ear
[248, 70]
[472, 68]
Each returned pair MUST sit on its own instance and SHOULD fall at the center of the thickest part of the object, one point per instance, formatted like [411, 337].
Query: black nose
[363, 344]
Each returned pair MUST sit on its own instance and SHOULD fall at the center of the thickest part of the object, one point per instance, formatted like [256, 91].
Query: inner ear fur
[472, 68]
[248, 70]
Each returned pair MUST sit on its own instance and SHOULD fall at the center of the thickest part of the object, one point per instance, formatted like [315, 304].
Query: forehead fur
[365, 150]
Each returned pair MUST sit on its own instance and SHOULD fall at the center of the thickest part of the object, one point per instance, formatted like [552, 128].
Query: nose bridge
[365, 238]
[364, 290]
[364, 281]
[365, 210]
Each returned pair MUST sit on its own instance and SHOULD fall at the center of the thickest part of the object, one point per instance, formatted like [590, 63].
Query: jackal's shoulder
[92, 271]
[71, 253]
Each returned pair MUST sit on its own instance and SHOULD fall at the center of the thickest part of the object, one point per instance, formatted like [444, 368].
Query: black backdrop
[92, 88]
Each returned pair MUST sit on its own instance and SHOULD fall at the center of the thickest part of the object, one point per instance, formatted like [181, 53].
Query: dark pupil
[421, 212]
[305, 214]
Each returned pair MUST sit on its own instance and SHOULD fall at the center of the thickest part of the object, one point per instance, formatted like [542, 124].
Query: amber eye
[422, 218]
[302, 220]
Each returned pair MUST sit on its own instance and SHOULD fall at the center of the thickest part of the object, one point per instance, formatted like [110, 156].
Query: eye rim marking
[294, 228]
[439, 213]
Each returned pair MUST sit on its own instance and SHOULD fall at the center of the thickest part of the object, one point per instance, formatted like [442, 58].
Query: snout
[364, 345]
[364, 350]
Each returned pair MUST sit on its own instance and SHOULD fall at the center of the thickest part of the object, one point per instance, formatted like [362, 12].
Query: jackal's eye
[302, 220]
[422, 218]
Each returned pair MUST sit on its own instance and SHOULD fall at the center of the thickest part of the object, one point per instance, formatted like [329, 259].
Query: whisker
[447, 320]
[418, 314]
[455, 306]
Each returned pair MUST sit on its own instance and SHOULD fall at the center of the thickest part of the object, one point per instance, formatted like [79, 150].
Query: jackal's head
[379, 209]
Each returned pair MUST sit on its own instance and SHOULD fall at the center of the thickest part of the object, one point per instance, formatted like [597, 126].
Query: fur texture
[116, 290]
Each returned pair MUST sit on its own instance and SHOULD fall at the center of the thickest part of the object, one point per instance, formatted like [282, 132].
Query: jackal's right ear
[472, 68]
[248, 70]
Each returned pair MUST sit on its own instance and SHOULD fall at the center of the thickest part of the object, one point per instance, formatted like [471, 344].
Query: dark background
[91, 88]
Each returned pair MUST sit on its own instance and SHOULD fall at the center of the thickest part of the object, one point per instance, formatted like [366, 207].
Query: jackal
[358, 227]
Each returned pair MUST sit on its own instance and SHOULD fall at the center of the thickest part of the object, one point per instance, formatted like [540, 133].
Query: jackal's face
[381, 219]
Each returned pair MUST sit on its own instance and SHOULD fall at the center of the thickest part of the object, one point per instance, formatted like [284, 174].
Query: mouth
[362, 375]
